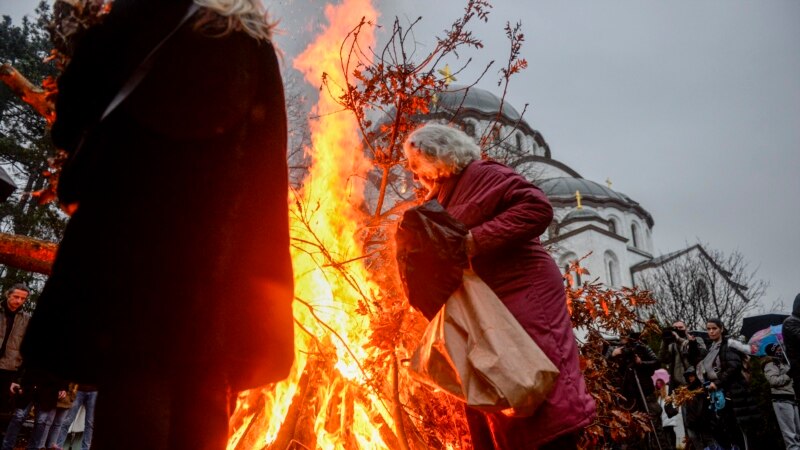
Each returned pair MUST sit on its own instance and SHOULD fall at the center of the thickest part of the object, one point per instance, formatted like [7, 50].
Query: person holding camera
[636, 363]
[679, 351]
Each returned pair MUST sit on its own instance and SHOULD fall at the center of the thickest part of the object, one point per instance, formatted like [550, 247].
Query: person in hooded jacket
[776, 371]
[505, 215]
[669, 413]
[791, 340]
[173, 279]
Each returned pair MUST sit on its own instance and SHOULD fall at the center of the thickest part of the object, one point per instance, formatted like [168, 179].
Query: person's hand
[712, 386]
[62, 394]
[638, 360]
[690, 337]
[617, 351]
[15, 389]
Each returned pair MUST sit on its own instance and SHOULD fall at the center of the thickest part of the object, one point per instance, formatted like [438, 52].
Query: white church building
[589, 217]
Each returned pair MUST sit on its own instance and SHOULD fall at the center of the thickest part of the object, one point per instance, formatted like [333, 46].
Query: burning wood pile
[346, 390]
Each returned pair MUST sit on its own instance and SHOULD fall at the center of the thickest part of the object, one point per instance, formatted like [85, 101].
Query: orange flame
[326, 215]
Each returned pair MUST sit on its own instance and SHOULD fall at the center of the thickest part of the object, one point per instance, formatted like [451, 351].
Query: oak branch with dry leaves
[69, 19]
[23, 252]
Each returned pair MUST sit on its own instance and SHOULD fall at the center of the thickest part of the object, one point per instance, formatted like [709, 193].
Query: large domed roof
[561, 191]
[474, 99]
[566, 187]
[582, 214]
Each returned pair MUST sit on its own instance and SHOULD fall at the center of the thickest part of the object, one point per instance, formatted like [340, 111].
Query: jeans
[55, 429]
[41, 427]
[87, 399]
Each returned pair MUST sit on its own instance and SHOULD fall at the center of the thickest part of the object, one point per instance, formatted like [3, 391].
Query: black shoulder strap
[138, 75]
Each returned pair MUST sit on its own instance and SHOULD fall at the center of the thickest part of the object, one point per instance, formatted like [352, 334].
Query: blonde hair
[445, 148]
[222, 17]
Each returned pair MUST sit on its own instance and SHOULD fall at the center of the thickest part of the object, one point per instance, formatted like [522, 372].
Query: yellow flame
[330, 202]
[334, 187]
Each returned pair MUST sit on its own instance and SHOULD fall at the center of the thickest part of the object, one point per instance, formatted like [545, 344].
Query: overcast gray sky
[690, 108]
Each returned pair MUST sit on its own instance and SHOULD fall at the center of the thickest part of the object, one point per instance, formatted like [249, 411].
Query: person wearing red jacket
[505, 215]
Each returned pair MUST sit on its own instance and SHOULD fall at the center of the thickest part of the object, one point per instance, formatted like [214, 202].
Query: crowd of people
[722, 408]
[55, 403]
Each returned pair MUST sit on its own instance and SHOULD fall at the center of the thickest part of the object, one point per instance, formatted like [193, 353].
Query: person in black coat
[791, 340]
[696, 415]
[172, 287]
[636, 363]
[721, 371]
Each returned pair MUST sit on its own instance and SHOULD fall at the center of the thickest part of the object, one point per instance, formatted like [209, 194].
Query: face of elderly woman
[423, 170]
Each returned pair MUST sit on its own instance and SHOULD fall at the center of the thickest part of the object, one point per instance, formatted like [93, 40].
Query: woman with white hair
[172, 287]
[506, 214]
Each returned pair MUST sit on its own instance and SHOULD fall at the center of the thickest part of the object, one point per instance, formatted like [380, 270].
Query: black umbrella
[7, 185]
[752, 324]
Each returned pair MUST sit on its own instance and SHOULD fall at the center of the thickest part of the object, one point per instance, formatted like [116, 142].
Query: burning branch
[27, 253]
[39, 98]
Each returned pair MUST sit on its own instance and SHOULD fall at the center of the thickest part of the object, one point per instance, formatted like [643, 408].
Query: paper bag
[475, 350]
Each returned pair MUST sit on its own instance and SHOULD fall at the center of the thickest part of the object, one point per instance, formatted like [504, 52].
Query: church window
[635, 235]
[611, 280]
[564, 262]
[612, 268]
[518, 137]
[612, 225]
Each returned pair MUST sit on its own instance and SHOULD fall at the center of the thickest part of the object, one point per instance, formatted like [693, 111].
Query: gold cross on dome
[608, 182]
[448, 76]
[578, 198]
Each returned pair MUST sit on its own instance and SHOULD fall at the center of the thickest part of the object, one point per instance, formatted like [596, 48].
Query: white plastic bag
[476, 350]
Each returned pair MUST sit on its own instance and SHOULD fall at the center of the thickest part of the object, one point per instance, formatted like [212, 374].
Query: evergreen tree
[25, 144]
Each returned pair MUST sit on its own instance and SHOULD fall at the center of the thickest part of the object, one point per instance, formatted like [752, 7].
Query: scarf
[707, 371]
